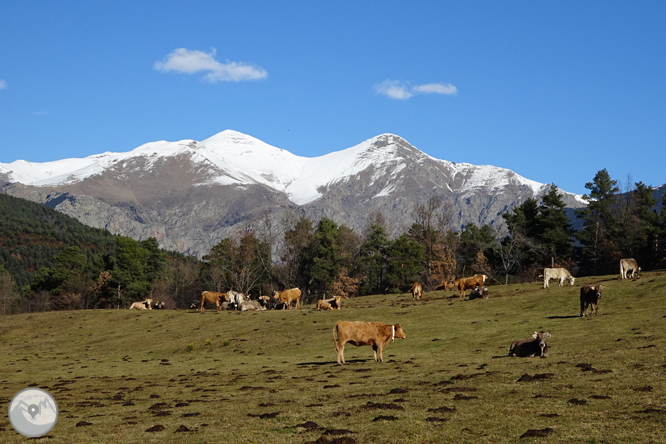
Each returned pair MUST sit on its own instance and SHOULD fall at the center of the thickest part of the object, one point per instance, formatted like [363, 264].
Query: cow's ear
[535, 335]
[547, 335]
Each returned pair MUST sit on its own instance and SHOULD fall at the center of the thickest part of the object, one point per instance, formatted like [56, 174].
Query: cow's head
[597, 289]
[276, 294]
[572, 280]
[541, 337]
[398, 332]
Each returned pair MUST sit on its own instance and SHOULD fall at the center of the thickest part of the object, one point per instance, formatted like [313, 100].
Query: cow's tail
[335, 337]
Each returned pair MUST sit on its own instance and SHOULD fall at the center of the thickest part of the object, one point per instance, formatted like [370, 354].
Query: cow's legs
[341, 353]
[374, 349]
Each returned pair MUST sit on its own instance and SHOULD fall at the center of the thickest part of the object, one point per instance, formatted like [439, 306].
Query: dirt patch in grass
[537, 433]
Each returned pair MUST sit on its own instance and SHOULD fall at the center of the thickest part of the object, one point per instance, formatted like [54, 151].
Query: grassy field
[271, 377]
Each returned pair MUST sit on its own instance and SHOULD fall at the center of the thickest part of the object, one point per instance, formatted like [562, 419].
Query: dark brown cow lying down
[375, 334]
[531, 347]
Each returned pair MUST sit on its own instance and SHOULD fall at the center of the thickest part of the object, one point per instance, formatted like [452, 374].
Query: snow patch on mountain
[233, 158]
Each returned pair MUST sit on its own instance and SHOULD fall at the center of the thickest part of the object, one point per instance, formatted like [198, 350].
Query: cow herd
[377, 334]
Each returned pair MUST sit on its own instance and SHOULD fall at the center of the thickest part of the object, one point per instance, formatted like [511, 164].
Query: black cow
[478, 293]
[590, 296]
[531, 347]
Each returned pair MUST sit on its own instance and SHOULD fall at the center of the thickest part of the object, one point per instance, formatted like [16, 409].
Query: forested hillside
[54, 262]
[49, 261]
[32, 235]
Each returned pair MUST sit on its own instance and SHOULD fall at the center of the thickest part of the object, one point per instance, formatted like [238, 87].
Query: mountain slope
[190, 194]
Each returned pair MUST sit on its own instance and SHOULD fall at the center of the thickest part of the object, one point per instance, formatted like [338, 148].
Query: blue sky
[554, 90]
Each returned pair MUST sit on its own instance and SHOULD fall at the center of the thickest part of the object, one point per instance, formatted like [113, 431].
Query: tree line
[323, 258]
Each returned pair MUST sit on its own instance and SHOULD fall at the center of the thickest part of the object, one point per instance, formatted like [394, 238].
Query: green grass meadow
[260, 377]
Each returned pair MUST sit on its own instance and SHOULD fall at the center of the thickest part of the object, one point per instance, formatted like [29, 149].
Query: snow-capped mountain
[191, 194]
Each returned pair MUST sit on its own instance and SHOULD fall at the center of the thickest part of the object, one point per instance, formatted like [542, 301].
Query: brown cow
[323, 305]
[590, 296]
[286, 296]
[470, 283]
[143, 305]
[330, 304]
[375, 334]
[416, 291]
[531, 347]
[212, 297]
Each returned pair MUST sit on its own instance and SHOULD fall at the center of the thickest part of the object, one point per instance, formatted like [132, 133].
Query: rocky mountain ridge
[191, 194]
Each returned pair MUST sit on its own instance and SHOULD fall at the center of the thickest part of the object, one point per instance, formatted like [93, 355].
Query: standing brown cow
[416, 291]
[470, 283]
[286, 296]
[590, 296]
[211, 297]
[375, 334]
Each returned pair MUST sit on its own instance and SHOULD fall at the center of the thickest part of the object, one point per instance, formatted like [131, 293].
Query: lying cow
[464, 284]
[330, 304]
[251, 305]
[143, 305]
[479, 293]
[531, 347]
[557, 273]
[590, 296]
[375, 334]
[416, 290]
[212, 297]
[159, 305]
[323, 305]
[286, 296]
[627, 265]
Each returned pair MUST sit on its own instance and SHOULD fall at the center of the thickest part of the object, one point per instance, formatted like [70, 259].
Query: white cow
[629, 265]
[235, 297]
[251, 305]
[556, 273]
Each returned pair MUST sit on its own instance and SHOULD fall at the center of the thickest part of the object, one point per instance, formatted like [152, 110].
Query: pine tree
[599, 231]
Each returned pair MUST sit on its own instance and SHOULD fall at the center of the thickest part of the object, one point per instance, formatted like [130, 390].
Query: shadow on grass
[348, 361]
[562, 317]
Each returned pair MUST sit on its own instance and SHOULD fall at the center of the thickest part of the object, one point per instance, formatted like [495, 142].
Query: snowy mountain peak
[234, 158]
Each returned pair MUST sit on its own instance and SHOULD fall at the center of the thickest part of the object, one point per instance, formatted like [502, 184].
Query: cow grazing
[557, 273]
[416, 290]
[531, 347]
[375, 334]
[627, 265]
[470, 283]
[590, 296]
[286, 296]
[143, 305]
[479, 293]
[212, 297]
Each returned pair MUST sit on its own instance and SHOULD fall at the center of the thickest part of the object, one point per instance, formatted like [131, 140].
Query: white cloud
[436, 88]
[402, 91]
[193, 61]
[393, 89]
[3, 84]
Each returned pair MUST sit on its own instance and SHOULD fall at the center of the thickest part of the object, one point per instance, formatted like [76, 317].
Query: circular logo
[33, 412]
